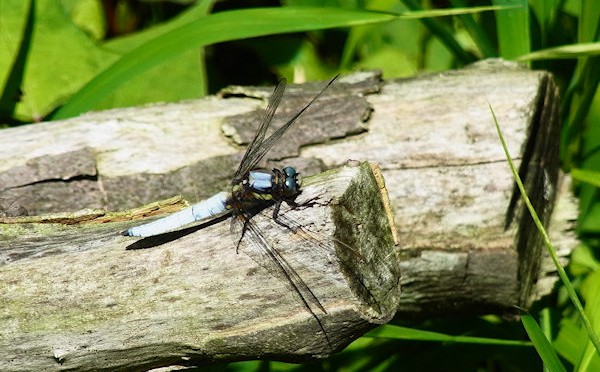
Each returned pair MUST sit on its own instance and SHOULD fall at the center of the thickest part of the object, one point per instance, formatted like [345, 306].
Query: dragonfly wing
[250, 240]
[249, 158]
[273, 138]
[324, 244]
[260, 146]
[260, 250]
[321, 243]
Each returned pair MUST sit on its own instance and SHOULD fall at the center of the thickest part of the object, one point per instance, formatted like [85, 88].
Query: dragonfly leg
[244, 228]
[276, 215]
[306, 204]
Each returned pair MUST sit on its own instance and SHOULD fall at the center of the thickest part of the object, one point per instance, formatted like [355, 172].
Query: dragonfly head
[291, 186]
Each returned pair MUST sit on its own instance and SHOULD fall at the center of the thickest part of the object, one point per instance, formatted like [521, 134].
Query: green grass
[57, 61]
[542, 344]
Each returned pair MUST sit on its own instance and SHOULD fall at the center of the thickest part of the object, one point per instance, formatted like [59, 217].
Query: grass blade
[219, 27]
[513, 28]
[442, 32]
[552, 251]
[404, 333]
[541, 344]
[563, 52]
[587, 176]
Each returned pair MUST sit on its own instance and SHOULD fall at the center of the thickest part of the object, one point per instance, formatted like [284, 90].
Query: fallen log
[465, 242]
[90, 298]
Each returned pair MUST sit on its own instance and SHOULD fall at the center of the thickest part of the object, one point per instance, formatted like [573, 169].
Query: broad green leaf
[12, 22]
[404, 63]
[88, 15]
[219, 27]
[179, 78]
[590, 222]
[583, 260]
[11, 92]
[590, 292]
[438, 57]
[61, 59]
[175, 80]
[570, 341]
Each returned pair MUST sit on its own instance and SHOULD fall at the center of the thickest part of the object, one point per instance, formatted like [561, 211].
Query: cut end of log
[363, 219]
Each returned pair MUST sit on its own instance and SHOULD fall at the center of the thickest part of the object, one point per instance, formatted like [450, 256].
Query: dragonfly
[251, 191]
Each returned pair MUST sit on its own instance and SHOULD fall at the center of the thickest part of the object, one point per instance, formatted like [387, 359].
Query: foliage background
[59, 58]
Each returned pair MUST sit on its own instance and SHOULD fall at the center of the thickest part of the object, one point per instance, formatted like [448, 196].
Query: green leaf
[176, 79]
[541, 344]
[587, 176]
[545, 12]
[551, 250]
[366, 46]
[226, 26]
[404, 333]
[476, 31]
[568, 342]
[88, 15]
[563, 52]
[11, 91]
[590, 291]
[583, 86]
[442, 32]
[60, 60]
[571, 343]
[403, 64]
[513, 28]
[219, 27]
[589, 220]
[583, 260]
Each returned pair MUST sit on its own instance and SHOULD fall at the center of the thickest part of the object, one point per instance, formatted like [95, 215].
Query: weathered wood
[433, 136]
[92, 299]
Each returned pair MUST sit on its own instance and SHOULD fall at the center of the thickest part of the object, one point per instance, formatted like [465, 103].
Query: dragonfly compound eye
[291, 185]
[290, 172]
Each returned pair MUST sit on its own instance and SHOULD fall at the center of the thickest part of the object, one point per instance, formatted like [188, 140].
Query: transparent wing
[250, 240]
[259, 147]
[346, 257]
[252, 150]
[317, 242]
[253, 243]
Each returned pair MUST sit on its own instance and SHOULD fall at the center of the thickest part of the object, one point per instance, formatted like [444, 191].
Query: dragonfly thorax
[277, 184]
